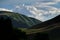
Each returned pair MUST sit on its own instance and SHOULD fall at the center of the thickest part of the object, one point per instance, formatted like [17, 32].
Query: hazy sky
[39, 9]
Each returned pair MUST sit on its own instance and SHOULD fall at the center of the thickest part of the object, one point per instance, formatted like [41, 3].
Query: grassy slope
[30, 31]
[22, 18]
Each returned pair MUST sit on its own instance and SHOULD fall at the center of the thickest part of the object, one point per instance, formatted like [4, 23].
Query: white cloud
[46, 14]
[42, 4]
[17, 6]
[42, 14]
[56, 0]
[3, 9]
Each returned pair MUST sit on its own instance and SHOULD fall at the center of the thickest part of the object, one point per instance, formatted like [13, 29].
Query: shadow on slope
[55, 20]
[7, 32]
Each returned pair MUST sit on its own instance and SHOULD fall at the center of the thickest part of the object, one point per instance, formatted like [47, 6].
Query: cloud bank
[40, 9]
[3, 9]
[43, 11]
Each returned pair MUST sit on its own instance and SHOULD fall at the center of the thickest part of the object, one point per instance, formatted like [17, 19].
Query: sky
[40, 9]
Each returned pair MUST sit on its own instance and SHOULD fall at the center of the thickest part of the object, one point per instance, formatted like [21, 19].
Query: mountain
[48, 30]
[50, 23]
[19, 20]
[35, 21]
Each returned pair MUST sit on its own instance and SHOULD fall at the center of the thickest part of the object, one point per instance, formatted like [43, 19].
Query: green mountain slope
[19, 20]
[44, 26]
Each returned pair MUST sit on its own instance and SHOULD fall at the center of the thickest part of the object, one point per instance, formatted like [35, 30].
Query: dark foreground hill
[19, 20]
[52, 22]
[7, 32]
[48, 30]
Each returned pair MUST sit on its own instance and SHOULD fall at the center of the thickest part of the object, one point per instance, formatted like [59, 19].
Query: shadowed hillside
[7, 32]
[48, 30]
[53, 21]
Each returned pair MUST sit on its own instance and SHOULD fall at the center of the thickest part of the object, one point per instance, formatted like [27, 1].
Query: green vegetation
[42, 30]
[21, 19]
